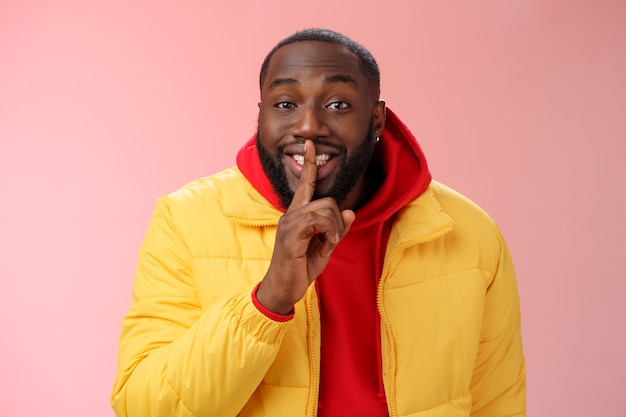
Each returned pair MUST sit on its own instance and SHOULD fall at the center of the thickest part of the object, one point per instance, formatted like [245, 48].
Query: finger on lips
[324, 219]
[308, 176]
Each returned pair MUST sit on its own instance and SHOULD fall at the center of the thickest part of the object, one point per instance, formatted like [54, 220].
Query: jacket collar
[244, 204]
[422, 220]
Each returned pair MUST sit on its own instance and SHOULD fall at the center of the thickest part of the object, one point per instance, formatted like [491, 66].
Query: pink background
[104, 106]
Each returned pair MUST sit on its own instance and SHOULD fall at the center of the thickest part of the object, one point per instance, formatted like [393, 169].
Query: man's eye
[284, 105]
[338, 105]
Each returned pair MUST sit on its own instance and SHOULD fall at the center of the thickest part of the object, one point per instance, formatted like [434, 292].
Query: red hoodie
[350, 374]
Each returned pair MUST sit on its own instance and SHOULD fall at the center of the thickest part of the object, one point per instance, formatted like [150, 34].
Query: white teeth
[319, 159]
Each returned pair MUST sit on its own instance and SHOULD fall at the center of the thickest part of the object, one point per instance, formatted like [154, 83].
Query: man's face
[316, 90]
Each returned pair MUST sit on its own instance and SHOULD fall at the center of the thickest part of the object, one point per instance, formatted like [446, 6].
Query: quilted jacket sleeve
[499, 379]
[176, 359]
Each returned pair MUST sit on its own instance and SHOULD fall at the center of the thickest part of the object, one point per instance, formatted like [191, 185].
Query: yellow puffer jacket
[193, 343]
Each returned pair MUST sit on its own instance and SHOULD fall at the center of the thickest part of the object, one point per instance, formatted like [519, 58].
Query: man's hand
[306, 236]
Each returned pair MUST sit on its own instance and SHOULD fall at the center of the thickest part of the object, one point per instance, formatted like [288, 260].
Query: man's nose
[310, 123]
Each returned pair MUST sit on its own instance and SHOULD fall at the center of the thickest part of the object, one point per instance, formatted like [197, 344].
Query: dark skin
[314, 101]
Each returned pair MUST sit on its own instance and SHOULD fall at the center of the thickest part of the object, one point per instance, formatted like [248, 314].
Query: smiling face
[316, 90]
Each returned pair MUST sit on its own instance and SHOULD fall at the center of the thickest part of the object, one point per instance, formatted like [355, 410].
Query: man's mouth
[320, 159]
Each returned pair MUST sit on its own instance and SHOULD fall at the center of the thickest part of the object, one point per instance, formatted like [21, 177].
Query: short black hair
[368, 64]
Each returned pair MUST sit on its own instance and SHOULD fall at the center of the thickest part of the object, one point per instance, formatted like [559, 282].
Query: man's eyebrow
[341, 78]
[277, 82]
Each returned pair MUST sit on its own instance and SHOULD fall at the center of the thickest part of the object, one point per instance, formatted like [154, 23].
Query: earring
[378, 139]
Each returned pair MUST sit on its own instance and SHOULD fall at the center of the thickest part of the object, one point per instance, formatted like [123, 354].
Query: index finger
[308, 176]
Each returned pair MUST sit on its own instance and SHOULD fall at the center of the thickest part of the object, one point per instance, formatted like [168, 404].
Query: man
[324, 275]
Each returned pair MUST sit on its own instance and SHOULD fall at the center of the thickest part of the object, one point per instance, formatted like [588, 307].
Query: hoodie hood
[402, 160]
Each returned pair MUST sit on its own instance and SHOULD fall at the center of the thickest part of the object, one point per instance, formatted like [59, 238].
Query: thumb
[348, 217]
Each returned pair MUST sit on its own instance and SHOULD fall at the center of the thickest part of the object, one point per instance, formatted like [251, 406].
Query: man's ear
[380, 114]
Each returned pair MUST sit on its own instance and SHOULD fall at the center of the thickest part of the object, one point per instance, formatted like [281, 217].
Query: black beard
[350, 170]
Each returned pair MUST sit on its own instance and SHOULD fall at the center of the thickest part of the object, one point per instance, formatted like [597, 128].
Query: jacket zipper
[252, 223]
[313, 368]
[391, 398]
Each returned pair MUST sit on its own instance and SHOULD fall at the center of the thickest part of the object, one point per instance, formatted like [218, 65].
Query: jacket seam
[449, 401]
[285, 386]
[500, 336]
[180, 400]
[440, 276]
